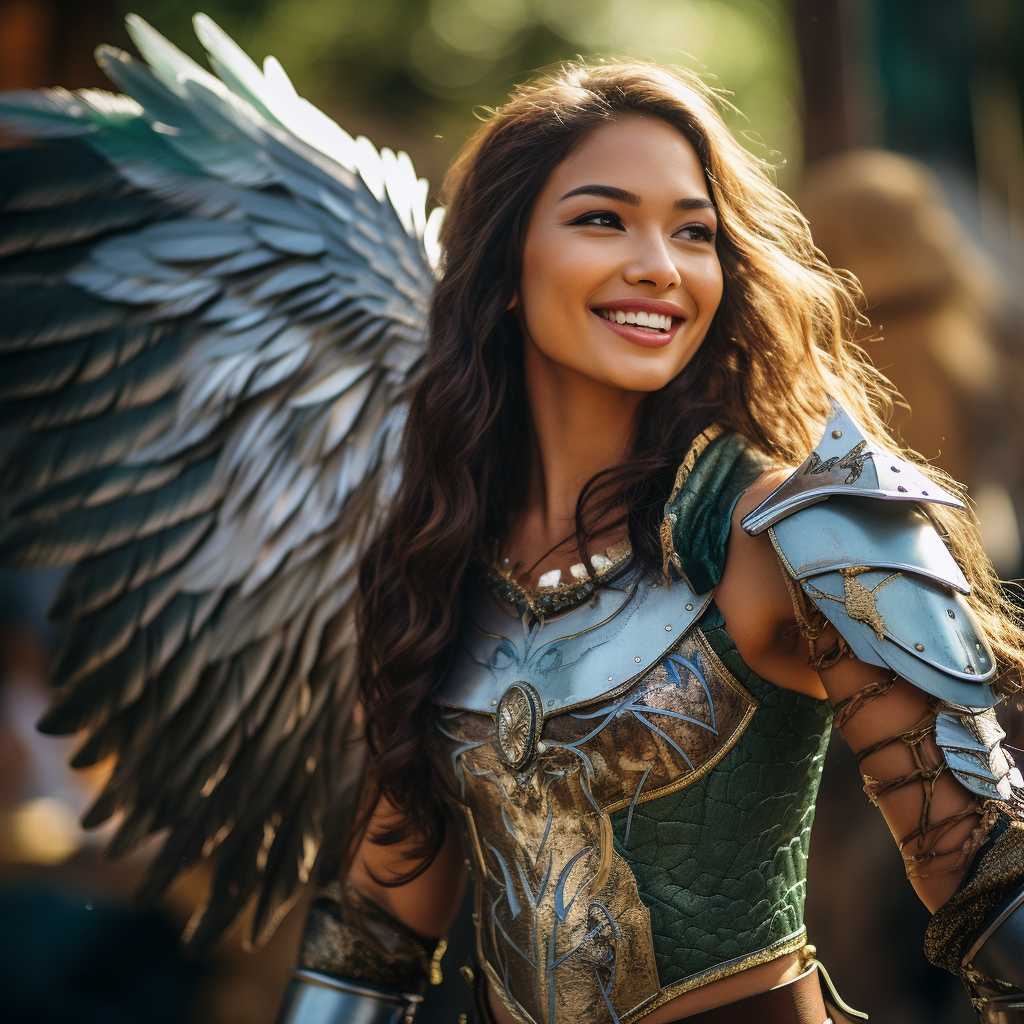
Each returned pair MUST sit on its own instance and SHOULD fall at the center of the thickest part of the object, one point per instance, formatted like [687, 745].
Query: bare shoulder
[755, 601]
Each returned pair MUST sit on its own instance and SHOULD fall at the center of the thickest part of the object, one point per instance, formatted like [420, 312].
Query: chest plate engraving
[562, 932]
[620, 633]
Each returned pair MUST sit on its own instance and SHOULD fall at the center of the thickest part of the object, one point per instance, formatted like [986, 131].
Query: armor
[636, 805]
[371, 972]
[850, 528]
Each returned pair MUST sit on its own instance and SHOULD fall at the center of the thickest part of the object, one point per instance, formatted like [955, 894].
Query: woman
[632, 344]
[633, 321]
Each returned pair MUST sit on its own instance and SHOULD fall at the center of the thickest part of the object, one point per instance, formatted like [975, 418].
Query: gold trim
[686, 780]
[668, 549]
[700, 442]
[782, 557]
[783, 947]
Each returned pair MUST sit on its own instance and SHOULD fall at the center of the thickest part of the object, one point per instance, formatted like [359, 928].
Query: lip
[636, 335]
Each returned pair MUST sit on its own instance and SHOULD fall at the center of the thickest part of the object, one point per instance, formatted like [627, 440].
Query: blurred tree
[409, 73]
[50, 42]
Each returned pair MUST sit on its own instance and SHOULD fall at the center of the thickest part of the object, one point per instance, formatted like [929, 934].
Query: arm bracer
[356, 962]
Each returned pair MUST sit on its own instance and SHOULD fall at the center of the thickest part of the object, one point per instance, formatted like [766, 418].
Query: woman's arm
[930, 814]
[367, 948]
[430, 902]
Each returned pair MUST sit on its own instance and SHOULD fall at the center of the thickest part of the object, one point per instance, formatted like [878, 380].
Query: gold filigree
[562, 932]
[858, 600]
[700, 442]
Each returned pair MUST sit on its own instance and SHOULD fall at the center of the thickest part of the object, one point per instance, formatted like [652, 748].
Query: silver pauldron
[851, 528]
[315, 998]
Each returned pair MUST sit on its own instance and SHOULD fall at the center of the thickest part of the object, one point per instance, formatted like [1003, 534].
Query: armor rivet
[541, 747]
[689, 607]
[951, 613]
[895, 469]
[551, 703]
[837, 434]
[494, 703]
[918, 647]
[925, 493]
[609, 679]
[901, 489]
[637, 659]
[977, 647]
[969, 669]
[668, 629]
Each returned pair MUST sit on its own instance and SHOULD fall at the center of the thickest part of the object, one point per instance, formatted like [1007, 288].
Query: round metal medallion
[518, 720]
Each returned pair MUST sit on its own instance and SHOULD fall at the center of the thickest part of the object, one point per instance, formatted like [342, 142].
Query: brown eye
[598, 218]
[696, 233]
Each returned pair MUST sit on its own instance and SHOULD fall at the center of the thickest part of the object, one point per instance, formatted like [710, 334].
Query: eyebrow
[622, 196]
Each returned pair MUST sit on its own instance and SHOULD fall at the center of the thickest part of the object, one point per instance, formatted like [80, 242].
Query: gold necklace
[551, 595]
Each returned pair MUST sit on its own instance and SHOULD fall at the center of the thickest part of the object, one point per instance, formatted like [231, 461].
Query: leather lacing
[928, 833]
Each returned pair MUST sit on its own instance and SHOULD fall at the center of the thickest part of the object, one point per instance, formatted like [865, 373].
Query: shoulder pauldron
[851, 527]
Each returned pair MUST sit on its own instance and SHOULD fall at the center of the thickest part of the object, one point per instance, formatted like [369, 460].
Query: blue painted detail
[510, 893]
[561, 907]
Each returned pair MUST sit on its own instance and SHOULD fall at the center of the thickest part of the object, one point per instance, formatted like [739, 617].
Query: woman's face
[620, 273]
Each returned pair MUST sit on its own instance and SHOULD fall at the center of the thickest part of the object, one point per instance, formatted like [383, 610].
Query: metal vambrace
[979, 933]
[357, 964]
[315, 998]
[993, 968]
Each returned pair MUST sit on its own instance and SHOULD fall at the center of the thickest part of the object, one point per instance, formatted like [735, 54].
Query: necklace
[552, 595]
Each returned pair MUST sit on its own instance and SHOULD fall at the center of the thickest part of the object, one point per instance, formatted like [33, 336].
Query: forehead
[644, 155]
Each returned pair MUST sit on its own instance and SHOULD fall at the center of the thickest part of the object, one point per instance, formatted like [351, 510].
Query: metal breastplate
[542, 731]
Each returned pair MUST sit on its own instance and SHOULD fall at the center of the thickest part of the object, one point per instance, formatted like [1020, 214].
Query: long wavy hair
[779, 344]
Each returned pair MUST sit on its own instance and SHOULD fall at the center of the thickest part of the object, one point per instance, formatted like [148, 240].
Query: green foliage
[410, 73]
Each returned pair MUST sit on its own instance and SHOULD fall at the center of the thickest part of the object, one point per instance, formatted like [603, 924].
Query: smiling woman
[602, 621]
[633, 342]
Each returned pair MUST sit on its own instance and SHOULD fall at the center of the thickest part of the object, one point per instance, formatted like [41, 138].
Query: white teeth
[653, 321]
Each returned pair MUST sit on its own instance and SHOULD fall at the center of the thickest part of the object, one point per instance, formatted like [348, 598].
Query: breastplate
[544, 729]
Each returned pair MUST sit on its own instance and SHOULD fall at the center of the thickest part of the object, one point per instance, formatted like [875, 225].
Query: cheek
[707, 285]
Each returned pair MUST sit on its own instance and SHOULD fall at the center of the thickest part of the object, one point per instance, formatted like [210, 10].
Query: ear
[513, 302]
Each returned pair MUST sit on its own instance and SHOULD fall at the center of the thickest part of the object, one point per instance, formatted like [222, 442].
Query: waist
[785, 991]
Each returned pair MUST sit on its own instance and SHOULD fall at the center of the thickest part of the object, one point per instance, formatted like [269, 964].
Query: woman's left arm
[876, 713]
[939, 824]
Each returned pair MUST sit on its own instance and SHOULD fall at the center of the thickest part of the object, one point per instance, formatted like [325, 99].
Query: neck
[580, 427]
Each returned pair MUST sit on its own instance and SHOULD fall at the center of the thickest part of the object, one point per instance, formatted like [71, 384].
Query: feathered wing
[212, 308]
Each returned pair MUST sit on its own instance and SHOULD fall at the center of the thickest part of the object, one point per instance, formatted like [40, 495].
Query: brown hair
[779, 344]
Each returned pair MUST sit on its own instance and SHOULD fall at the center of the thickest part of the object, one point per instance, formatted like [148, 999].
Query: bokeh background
[896, 124]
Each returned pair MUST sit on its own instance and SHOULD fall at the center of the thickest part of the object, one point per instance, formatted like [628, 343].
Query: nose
[653, 264]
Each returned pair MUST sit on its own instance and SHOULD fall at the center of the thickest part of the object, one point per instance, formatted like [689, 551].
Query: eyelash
[705, 233]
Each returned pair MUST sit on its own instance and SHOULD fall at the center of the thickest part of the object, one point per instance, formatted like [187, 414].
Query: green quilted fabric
[721, 864]
[700, 513]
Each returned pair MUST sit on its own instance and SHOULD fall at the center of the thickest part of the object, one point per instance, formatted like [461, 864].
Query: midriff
[750, 982]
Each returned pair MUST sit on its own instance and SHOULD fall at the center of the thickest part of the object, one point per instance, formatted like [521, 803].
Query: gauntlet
[356, 964]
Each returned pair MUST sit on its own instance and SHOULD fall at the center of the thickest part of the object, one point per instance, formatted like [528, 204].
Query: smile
[654, 322]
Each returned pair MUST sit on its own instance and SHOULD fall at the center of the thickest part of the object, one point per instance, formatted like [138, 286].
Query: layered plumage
[212, 309]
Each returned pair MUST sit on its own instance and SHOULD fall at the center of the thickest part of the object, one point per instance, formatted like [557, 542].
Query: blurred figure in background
[942, 332]
[935, 309]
